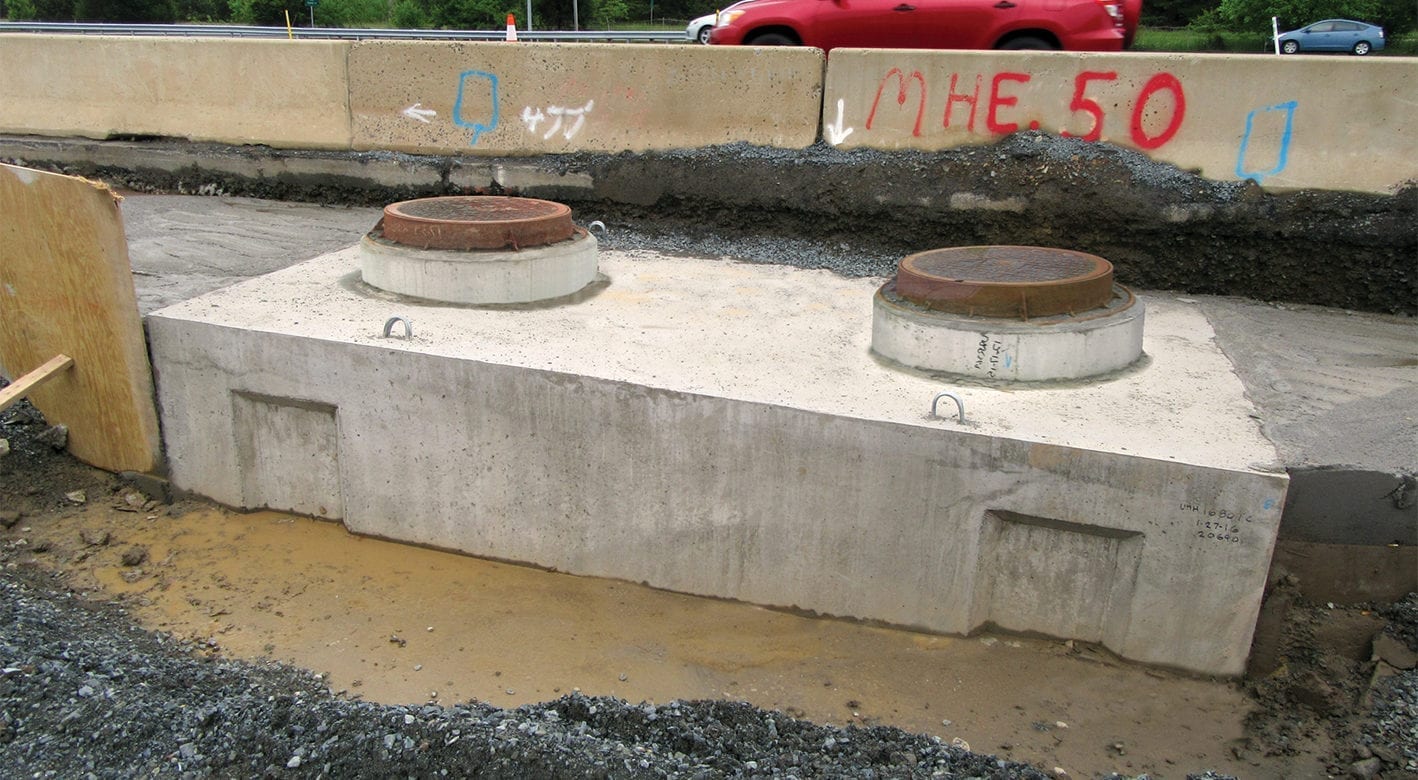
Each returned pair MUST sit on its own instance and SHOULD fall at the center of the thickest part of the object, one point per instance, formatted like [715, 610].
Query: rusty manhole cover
[1006, 281]
[477, 222]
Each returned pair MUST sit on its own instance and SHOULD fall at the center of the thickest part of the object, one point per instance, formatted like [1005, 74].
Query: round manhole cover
[1006, 281]
[477, 222]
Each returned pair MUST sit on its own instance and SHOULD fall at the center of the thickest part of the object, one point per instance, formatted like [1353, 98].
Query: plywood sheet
[66, 288]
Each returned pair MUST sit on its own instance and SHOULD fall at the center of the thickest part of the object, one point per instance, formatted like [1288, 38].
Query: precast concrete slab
[723, 429]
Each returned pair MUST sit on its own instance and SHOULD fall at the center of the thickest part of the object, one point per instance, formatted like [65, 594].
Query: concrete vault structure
[724, 429]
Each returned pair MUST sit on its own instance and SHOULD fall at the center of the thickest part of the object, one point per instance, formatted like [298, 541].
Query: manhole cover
[1006, 281]
[477, 222]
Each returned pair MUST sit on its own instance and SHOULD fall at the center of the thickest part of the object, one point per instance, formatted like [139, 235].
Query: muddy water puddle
[399, 624]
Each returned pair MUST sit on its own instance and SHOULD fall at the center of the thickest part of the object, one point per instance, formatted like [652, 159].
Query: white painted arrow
[836, 134]
[421, 114]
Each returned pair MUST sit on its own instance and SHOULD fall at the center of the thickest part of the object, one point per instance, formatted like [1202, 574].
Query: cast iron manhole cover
[1006, 281]
[477, 222]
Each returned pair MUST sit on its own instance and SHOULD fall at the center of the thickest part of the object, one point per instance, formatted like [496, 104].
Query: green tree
[133, 11]
[1397, 16]
[41, 10]
[683, 10]
[556, 14]
[203, 10]
[351, 13]
[1242, 15]
[1173, 13]
[411, 15]
[455, 14]
[605, 13]
[266, 13]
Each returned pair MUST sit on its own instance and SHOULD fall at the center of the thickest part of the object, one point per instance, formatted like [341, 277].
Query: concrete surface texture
[282, 93]
[720, 428]
[479, 98]
[1231, 117]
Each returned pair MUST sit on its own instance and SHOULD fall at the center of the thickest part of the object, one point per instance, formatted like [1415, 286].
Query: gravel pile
[1402, 617]
[1392, 736]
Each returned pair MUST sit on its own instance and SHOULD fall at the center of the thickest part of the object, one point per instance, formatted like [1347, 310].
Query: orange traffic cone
[512, 27]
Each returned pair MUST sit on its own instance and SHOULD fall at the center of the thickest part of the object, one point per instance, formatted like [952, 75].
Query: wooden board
[66, 288]
[26, 384]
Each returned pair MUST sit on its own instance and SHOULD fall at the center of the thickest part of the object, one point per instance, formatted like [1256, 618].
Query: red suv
[1075, 25]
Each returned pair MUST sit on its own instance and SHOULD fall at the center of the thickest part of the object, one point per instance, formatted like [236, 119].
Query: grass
[1187, 40]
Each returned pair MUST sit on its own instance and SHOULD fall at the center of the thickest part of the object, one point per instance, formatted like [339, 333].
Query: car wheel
[1027, 43]
[703, 36]
[1361, 48]
[1289, 47]
[771, 39]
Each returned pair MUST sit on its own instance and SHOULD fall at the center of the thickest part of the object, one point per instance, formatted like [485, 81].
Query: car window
[1321, 27]
[1345, 27]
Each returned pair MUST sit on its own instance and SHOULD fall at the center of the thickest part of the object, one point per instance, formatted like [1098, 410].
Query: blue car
[1334, 35]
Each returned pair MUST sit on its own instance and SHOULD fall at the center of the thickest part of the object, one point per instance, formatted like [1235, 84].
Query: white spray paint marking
[417, 112]
[559, 116]
[836, 134]
[531, 120]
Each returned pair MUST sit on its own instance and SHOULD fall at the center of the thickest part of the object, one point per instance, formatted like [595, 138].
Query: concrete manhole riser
[485, 277]
[478, 250]
[1004, 350]
[1007, 313]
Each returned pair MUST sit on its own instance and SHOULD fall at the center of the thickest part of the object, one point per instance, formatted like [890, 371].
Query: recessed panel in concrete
[722, 429]
[1059, 578]
[287, 455]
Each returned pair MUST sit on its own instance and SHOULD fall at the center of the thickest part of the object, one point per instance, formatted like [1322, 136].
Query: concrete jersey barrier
[277, 93]
[495, 98]
[1285, 123]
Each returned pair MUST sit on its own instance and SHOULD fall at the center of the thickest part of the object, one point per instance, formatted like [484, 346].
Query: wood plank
[21, 387]
[66, 288]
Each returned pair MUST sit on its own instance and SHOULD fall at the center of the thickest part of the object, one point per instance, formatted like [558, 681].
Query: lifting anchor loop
[959, 405]
[408, 327]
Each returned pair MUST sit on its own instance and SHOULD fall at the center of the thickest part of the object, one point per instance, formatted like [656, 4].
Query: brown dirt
[399, 624]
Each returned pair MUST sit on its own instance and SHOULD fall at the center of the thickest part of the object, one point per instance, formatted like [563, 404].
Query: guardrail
[341, 33]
